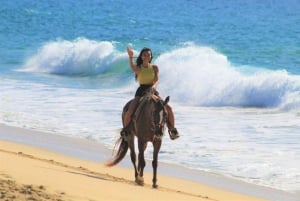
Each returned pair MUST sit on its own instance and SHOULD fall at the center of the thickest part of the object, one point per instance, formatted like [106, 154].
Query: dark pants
[143, 88]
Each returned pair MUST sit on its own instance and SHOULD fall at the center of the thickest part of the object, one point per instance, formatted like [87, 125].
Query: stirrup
[173, 133]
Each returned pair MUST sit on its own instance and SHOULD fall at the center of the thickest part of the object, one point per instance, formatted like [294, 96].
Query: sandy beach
[29, 170]
[65, 178]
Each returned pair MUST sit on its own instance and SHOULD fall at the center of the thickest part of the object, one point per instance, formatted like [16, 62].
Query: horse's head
[160, 115]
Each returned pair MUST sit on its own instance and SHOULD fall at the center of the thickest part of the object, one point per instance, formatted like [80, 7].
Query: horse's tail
[121, 147]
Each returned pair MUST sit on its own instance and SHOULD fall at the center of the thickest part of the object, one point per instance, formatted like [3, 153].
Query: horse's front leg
[141, 163]
[156, 146]
[133, 156]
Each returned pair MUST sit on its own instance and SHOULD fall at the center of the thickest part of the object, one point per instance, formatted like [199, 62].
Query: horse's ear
[167, 100]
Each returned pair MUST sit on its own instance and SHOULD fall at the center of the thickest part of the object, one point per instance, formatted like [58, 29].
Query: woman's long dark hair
[139, 60]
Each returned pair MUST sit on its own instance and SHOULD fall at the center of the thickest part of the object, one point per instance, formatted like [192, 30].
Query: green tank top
[146, 75]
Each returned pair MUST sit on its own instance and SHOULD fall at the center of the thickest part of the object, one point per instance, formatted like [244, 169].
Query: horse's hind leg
[156, 145]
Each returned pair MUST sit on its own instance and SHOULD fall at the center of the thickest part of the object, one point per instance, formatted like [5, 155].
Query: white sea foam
[192, 74]
[78, 57]
[204, 77]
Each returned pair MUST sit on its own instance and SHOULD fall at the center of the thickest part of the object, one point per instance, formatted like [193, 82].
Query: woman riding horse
[150, 117]
[147, 76]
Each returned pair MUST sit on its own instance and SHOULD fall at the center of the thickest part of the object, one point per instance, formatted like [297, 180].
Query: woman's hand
[134, 68]
[130, 52]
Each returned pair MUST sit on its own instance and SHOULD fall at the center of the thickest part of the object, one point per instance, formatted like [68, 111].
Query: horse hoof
[139, 181]
[154, 186]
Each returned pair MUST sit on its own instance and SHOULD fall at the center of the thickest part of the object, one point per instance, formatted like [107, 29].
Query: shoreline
[96, 153]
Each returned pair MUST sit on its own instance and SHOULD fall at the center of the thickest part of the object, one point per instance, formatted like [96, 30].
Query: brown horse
[148, 124]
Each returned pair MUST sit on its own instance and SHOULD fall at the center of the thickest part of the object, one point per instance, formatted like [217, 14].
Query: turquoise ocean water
[232, 69]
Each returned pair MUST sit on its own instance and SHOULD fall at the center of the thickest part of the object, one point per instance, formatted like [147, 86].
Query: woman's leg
[171, 123]
[173, 133]
[128, 115]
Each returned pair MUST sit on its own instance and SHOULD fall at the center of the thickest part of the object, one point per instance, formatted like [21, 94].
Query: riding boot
[124, 133]
[173, 133]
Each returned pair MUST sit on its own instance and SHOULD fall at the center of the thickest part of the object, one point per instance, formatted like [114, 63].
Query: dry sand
[29, 173]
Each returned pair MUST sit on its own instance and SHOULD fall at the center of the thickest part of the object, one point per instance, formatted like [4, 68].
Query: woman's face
[146, 56]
